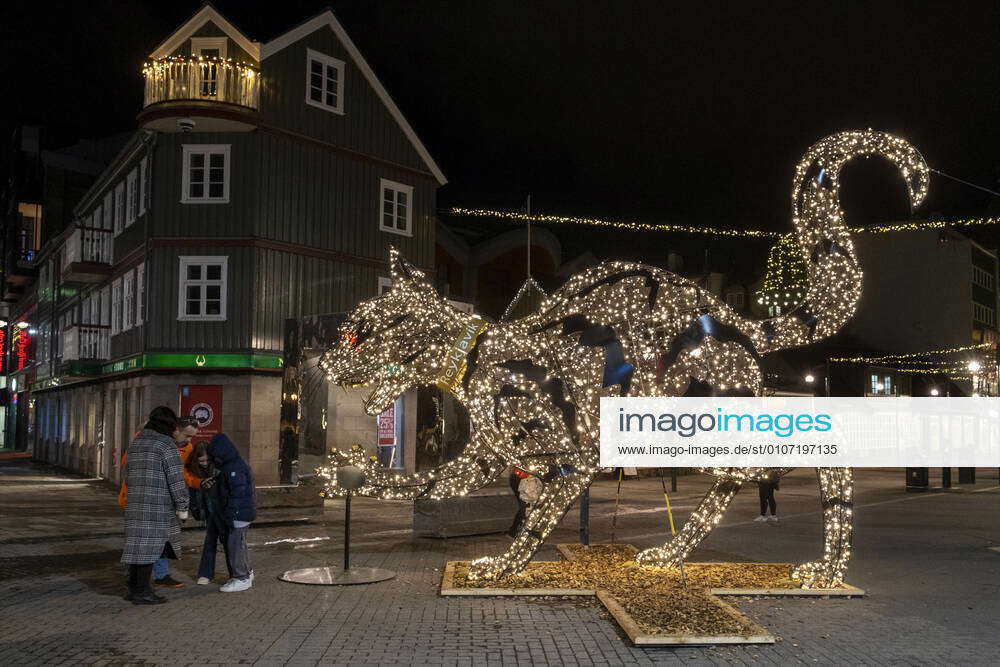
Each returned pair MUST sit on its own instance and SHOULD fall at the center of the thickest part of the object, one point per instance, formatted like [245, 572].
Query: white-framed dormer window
[119, 208]
[210, 73]
[395, 207]
[131, 197]
[206, 174]
[202, 288]
[324, 81]
[128, 301]
[116, 306]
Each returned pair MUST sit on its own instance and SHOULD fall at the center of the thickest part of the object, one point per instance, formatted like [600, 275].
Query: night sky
[684, 112]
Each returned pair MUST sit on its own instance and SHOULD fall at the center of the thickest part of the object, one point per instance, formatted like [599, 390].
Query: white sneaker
[761, 518]
[204, 581]
[772, 519]
[237, 585]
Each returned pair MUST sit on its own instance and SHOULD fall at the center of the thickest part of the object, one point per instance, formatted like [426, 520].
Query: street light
[810, 379]
[934, 391]
[974, 366]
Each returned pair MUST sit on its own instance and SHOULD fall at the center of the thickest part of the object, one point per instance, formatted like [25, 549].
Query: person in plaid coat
[157, 502]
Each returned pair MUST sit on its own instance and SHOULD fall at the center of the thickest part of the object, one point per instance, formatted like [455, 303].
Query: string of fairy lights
[638, 226]
[785, 278]
[532, 386]
[973, 368]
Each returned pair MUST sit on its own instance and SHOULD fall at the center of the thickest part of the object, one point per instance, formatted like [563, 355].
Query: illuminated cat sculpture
[532, 386]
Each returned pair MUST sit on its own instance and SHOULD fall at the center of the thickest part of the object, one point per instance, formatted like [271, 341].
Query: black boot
[130, 580]
[143, 591]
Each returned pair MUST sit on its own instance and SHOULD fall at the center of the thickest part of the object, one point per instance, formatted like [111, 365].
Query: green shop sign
[258, 361]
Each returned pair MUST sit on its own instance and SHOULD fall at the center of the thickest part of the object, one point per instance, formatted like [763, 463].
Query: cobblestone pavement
[925, 559]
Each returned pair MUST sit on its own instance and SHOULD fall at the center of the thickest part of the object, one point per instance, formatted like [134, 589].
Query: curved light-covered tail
[823, 237]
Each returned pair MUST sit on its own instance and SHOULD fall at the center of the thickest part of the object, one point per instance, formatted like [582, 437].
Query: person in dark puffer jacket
[239, 509]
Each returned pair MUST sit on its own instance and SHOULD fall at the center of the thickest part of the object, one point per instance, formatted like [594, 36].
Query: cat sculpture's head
[395, 341]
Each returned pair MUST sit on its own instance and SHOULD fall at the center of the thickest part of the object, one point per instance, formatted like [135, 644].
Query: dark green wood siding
[366, 125]
[235, 219]
[168, 334]
[289, 285]
[322, 199]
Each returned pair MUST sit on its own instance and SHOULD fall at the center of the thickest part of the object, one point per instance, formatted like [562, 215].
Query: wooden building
[265, 181]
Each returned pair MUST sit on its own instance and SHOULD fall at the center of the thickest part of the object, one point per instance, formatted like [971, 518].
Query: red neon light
[22, 342]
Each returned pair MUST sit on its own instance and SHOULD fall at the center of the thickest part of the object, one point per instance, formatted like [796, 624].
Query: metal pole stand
[350, 478]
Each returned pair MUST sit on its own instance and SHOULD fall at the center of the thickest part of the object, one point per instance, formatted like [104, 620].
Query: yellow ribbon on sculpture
[455, 361]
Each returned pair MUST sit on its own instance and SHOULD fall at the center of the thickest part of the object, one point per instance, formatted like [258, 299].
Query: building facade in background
[264, 182]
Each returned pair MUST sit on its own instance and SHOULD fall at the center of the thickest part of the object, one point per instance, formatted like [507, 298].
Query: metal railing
[201, 78]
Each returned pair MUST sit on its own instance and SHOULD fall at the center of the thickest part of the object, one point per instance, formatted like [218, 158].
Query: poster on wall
[387, 426]
[204, 403]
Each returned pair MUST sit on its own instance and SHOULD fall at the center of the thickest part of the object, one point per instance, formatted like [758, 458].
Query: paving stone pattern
[925, 559]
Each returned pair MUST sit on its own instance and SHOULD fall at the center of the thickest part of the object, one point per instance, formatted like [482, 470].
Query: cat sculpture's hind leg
[836, 486]
[701, 522]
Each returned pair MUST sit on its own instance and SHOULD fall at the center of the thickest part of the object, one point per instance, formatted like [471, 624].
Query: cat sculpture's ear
[405, 274]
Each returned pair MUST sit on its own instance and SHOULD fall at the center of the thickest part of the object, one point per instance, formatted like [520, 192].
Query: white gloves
[182, 515]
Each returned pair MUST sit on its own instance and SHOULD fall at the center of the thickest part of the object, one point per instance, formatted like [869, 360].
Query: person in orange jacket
[182, 436]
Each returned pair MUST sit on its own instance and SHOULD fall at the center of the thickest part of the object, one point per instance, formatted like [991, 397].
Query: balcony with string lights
[200, 93]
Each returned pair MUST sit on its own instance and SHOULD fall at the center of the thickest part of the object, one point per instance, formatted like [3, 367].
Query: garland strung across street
[911, 355]
[532, 386]
[785, 278]
[638, 226]
[966, 369]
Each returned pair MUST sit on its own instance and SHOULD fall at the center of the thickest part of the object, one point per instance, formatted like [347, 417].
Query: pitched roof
[193, 24]
[327, 19]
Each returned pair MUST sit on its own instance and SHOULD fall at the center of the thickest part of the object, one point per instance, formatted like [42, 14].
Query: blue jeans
[215, 532]
[161, 568]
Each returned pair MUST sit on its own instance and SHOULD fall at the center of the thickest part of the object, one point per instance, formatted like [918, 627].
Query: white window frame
[143, 183]
[736, 300]
[327, 61]
[109, 212]
[198, 44]
[207, 150]
[116, 306]
[105, 307]
[183, 283]
[983, 314]
[119, 208]
[982, 277]
[140, 294]
[128, 300]
[396, 188]
[131, 195]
